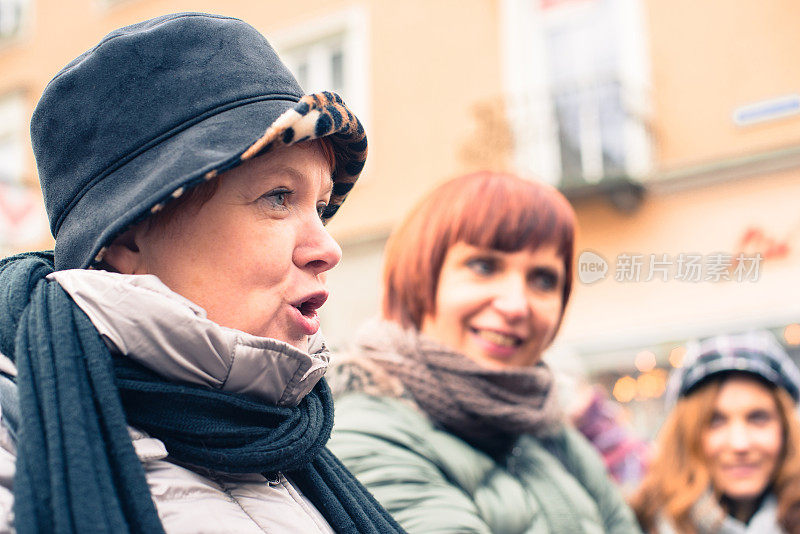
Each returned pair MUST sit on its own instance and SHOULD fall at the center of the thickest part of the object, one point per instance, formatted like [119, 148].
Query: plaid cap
[757, 353]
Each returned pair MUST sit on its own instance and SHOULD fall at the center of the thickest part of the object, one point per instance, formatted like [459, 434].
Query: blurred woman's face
[744, 439]
[253, 256]
[500, 309]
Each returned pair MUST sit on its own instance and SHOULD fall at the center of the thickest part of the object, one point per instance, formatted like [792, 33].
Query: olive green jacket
[433, 482]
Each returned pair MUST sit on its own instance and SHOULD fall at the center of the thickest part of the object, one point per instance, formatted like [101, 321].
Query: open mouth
[309, 307]
[498, 338]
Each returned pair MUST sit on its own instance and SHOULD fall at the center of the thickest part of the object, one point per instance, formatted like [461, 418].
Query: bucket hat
[757, 353]
[163, 105]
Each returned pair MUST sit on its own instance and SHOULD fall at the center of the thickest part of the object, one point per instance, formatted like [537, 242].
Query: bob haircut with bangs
[485, 209]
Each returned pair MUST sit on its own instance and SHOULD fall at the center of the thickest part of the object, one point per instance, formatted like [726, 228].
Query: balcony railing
[581, 133]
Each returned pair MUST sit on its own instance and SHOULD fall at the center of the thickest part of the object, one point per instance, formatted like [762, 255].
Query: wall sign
[755, 240]
[767, 110]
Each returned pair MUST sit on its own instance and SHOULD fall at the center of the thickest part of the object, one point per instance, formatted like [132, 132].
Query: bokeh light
[792, 334]
[676, 356]
[625, 389]
[651, 385]
[645, 361]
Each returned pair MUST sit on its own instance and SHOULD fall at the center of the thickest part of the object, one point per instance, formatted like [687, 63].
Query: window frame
[349, 24]
[14, 33]
[531, 105]
[13, 124]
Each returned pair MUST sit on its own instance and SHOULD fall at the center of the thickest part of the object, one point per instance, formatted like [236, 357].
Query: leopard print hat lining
[315, 116]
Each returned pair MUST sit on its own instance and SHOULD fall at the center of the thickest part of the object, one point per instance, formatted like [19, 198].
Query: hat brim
[200, 151]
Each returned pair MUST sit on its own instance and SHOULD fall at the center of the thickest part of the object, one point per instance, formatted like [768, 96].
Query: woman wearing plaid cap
[728, 455]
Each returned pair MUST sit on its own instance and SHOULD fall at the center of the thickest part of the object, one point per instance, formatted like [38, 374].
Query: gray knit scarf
[487, 407]
[709, 517]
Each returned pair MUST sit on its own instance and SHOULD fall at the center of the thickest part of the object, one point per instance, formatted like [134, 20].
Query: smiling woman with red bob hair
[485, 209]
[445, 410]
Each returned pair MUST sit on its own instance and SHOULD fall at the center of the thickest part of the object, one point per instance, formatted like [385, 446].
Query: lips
[500, 339]
[305, 311]
[311, 303]
[741, 470]
[500, 346]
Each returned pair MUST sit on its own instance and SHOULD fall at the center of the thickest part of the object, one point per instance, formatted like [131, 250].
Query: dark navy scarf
[77, 470]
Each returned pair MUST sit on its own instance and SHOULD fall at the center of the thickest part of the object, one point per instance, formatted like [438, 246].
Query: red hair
[485, 209]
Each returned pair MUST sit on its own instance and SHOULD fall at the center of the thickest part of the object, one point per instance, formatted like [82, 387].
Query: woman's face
[744, 439]
[253, 256]
[500, 309]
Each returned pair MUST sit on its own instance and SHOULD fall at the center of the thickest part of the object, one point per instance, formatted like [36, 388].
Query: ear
[123, 255]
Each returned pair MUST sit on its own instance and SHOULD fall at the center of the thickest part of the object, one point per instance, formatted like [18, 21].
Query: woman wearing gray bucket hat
[162, 369]
[728, 455]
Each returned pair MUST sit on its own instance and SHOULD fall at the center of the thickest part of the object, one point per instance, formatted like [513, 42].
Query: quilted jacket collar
[141, 318]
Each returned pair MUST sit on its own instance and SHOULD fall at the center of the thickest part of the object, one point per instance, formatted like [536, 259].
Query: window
[319, 65]
[12, 14]
[12, 140]
[329, 54]
[578, 102]
[22, 219]
[586, 94]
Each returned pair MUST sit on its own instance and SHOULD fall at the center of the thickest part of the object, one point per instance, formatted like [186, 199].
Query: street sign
[767, 110]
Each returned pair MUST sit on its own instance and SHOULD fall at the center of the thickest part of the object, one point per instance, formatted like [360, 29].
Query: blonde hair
[678, 475]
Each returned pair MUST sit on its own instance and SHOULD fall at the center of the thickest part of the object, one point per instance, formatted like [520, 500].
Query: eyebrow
[327, 188]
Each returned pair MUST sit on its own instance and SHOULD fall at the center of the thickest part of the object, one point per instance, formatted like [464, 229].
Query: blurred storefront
[691, 262]
[707, 239]
[674, 128]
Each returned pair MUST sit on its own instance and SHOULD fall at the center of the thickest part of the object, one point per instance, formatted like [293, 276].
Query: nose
[739, 437]
[511, 300]
[316, 249]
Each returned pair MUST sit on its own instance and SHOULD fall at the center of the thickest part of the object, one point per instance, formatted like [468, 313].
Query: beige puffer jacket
[138, 316]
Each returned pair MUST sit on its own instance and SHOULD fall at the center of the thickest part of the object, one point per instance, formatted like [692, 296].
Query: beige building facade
[674, 127]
